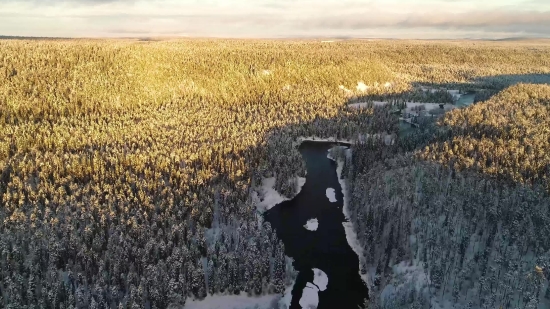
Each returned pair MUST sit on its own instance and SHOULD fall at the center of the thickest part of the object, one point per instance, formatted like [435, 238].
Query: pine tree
[198, 285]
[31, 289]
[142, 292]
[134, 299]
[94, 304]
[211, 277]
[345, 169]
[175, 296]
[232, 275]
[279, 269]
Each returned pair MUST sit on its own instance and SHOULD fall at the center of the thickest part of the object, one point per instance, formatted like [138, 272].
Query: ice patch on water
[310, 294]
[331, 195]
[320, 279]
[310, 297]
[312, 224]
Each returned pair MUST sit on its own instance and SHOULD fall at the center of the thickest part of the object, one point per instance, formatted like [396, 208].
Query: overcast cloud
[281, 18]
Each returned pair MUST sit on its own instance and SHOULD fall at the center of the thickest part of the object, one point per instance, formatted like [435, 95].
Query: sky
[422, 19]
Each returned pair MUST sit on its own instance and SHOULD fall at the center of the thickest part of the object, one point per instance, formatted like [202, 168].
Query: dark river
[326, 248]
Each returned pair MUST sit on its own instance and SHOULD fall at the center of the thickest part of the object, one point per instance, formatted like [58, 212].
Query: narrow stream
[325, 248]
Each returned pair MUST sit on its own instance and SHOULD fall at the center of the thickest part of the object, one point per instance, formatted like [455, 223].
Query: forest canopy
[127, 169]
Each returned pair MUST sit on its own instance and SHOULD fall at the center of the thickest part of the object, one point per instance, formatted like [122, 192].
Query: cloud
[270, 18]
[72, 2]
[434, 19]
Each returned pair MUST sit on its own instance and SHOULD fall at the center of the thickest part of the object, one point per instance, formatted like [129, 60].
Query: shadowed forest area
[471, 227]
[131, 173]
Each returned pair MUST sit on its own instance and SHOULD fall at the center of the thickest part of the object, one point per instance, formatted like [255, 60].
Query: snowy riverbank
[351, 235]
[266, 197]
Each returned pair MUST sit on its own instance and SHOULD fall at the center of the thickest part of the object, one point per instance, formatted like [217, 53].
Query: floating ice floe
[331, 195]
[312, 224]
[310, 294]
[320, 279]
[310, 297]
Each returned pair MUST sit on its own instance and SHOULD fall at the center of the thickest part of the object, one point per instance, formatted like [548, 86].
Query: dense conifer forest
[130, 172]
[463, 219]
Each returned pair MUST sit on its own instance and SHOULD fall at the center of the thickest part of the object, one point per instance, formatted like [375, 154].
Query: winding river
[325, 248]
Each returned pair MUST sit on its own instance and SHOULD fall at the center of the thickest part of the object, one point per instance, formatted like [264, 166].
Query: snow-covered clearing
[312, 224]
[427, 106]
[269, 197]
[331, 195]
[351, 235]
[241, 301]
[346, 90]
[361, 87]
[454, 92]
[366, 104]
[411, 106]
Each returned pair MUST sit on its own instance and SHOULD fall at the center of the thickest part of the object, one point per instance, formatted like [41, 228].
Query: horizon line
[274, 38]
